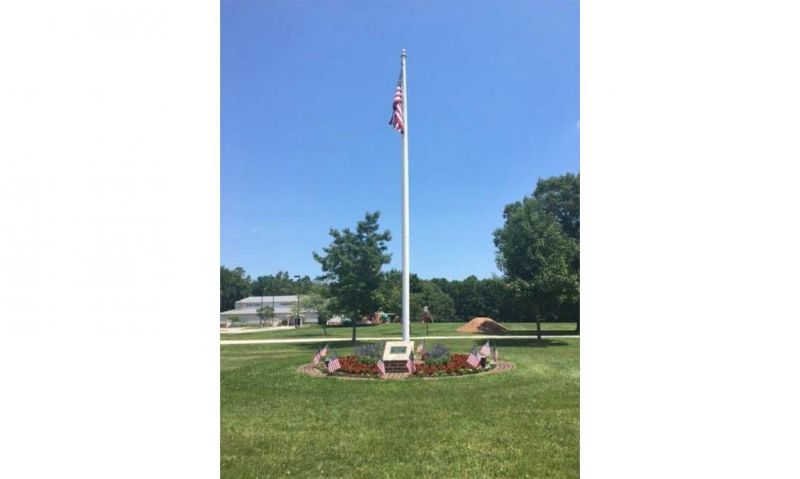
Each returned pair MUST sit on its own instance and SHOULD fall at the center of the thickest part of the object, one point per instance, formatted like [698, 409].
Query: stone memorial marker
[395, 355]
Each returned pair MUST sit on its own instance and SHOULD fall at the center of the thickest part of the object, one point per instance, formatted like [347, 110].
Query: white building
[247, 310]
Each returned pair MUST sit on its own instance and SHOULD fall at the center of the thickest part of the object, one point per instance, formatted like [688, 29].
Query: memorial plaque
[397, 350]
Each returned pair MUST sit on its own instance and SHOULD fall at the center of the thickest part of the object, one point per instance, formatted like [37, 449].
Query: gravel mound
[482, 325]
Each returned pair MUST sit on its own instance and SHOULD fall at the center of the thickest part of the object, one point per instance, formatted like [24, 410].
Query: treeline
[537, 251]
[447, 300]
[462, 300]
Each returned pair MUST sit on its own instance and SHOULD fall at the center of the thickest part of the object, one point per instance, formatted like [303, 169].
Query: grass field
[393, 330]
[276, 422]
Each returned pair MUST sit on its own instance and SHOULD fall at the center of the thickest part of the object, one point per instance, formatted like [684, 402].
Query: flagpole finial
[403, 53]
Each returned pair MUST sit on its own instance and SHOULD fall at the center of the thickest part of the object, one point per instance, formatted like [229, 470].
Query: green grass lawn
[276, 422]
[389, 330]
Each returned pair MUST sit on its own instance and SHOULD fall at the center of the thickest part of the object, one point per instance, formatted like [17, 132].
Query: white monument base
[395, 355]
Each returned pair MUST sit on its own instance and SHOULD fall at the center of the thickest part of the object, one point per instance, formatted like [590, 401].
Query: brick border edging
[310, 370]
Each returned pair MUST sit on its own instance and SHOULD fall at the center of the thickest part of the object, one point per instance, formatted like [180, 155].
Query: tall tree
[560, 196]
[538, 258]
[352, 266]
[234, 284]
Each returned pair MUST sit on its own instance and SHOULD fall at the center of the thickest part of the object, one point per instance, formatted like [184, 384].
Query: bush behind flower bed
[369, 353]
[437, 354]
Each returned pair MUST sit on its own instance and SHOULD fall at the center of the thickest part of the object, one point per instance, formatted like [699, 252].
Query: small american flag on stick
[333, 364]
[485, 349]
[421, 347]
[381, 367]
[317, 358]
[397, 120]
[410, 364]
[473, 359]
[324, 351]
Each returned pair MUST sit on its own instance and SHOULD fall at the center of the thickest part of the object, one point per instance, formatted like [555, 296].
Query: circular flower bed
[452, 365]
[437, 361]
[317, 372]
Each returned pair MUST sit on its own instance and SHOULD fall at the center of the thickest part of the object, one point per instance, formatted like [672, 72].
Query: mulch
[482, 325]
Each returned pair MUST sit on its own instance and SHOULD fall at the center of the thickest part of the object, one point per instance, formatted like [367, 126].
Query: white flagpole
[406, 280]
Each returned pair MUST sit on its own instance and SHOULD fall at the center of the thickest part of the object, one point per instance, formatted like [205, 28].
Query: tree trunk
[538, 325]
[354, 332]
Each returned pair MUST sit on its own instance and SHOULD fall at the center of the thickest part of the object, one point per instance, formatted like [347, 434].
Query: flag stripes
[333, 364]
[398, 120]
[317, 358]
[473, 359]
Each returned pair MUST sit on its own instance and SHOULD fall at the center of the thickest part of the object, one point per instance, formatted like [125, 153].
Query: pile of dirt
[482, 325]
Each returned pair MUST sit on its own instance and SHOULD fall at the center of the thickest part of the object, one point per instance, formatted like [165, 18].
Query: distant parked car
[335, 321]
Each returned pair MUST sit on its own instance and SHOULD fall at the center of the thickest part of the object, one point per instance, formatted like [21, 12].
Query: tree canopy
[539, 258]
[234, 284]
[560, 197]
[352, 266]
[280, 284]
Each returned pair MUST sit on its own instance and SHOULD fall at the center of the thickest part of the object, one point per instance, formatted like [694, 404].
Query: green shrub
[437, 354]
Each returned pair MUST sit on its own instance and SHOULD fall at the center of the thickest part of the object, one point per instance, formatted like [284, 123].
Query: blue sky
[306, 90]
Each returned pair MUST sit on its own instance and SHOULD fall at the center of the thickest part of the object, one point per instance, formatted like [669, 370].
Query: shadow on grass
[532, 332]
[532, 343]
[332, 346]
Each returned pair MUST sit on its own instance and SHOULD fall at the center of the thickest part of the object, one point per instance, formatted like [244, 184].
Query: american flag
[410, 364]
[381, 367]
[421, 347]
[485, 349]
[317, 358]
[324, 351]
[397, 109]
[473, 359]
[333, 364]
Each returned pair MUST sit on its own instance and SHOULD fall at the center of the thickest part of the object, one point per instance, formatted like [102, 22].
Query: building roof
[234, 312]
[269, 299]
[254, 310]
